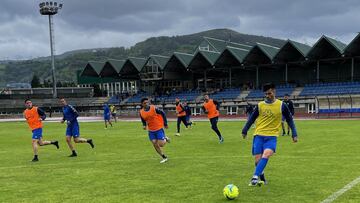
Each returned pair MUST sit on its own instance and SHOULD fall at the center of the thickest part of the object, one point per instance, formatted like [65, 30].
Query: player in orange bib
[34, 116]
[181, 115]
[155, 120]
[211, 108]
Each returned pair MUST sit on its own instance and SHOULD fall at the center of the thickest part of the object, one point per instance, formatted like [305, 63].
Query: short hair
[268, 86]
[26, 100]
[144, 99]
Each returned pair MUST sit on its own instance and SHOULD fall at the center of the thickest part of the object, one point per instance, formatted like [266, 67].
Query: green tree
[35, 82]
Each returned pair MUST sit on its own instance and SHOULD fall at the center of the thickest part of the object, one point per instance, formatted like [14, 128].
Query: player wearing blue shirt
[267, 115]
[72, 130]
[107, 115]
[188, 114]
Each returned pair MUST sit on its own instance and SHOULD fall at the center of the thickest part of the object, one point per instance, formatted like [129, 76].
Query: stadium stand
[338, 88]
[226, 94]
[137, 98]
[187, 96]
[281, 90]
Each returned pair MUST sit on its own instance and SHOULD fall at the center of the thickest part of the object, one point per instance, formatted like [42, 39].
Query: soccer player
[113, 112]
[188, 114]
[107, 115]
[290, 105]
[181, 115]
[34, 116]
[267, 115]
[211, 108]
[72, 130]
[154, 120]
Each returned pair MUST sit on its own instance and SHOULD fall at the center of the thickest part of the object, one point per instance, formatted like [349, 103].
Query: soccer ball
[231, 191]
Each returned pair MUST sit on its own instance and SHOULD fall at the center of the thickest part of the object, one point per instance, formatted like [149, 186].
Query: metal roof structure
[112, 68]
[353, 48]
[231, 56]
[178, 60]
[203, 60]
[326, 47]
[93, 69]
[292, 52]
[132, 68]
[161, 61]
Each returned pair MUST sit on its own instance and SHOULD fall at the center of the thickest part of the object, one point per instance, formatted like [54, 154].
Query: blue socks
[260, 166]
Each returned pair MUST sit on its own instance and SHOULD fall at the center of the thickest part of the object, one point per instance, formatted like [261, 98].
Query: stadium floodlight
[50, 9]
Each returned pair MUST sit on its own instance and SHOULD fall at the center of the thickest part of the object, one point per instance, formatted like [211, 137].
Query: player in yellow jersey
[267, 117]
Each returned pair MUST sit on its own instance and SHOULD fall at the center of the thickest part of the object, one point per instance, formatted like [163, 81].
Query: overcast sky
[113, 23]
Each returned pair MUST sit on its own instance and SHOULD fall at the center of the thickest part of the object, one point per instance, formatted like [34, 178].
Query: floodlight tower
[50, 9]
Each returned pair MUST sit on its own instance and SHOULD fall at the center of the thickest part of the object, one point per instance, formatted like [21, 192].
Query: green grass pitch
[124, 167]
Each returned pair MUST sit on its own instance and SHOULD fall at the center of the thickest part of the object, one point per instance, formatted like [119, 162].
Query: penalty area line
[338, 193]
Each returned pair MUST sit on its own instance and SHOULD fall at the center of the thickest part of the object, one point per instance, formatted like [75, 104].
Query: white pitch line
[337, 194]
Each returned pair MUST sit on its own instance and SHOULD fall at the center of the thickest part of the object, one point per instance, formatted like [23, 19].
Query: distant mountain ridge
[69, 62]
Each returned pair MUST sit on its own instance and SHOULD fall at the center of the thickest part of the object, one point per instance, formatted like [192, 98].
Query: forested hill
[68, 63]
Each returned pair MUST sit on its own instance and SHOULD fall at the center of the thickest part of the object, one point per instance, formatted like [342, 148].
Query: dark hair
[144, 99]
[268, 86]
[26, 100]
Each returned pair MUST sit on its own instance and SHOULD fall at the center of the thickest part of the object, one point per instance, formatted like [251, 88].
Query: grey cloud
[94, 23]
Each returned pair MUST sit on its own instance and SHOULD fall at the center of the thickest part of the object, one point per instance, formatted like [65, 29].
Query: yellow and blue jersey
[267, 117]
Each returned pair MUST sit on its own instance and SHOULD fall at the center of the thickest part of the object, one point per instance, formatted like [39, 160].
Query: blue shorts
[73, 130]
[107, 117]
[157, 135]
[37, 134]
[260, 143]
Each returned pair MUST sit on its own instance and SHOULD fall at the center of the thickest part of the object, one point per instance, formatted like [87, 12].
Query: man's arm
[291, 108]
[63, 118]
[289, 119]
[251, 120]
[143, 121]
[217, 104]
[41, 113]
[74, 112]
[162, 113]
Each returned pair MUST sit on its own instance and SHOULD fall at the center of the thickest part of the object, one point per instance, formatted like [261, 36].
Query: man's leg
[110, 122]
[263, 161]
[43, 143]
[263, 147]
[71, 147]
[105, 124]
[184, 121]
[157, 147]
[283, 128]
[214, 127]
[288, 129]
[77, 139]
[158, 140]
[84, 140]
[178, 126]
[257, 159]
[35, 147]
[187, 119]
